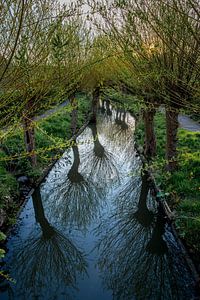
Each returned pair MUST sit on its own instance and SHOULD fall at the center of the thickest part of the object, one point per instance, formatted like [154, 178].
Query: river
[92, 230]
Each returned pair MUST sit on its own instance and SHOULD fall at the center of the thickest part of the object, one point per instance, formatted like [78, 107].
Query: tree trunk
[150, 139]
[95, 102]
[171, 146]
[74, 114]
[29, 138]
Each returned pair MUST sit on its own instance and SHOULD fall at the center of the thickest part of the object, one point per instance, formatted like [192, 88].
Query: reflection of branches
[108, 111]
[105, 110]
[71, 198]
[120, 247]
[133, 189]
[102, 107]
[143, 215]
[138, 259]
[120, 130]
[47, 263]
[103, 166]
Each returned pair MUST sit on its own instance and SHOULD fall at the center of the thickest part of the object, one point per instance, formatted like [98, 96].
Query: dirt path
[51, 111]
[44, 115]
[188, 124]
[185, 122]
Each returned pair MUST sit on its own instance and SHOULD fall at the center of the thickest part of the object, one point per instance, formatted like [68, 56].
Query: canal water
[92, 230]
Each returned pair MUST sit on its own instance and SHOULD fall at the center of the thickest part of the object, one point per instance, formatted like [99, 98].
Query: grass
[50, 133]
[184, 185]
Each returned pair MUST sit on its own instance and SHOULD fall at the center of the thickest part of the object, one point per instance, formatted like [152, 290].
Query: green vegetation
[52, 133]
[141, 54]
[183, 185]
[119, 99]
[2, 238]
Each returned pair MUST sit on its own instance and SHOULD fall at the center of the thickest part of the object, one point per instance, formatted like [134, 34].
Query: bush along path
[53, 133]
[181, 188]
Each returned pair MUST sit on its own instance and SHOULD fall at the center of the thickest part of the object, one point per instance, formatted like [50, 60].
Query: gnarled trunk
[150, 139]
[95, 102]
[29, 139]
[171, 146]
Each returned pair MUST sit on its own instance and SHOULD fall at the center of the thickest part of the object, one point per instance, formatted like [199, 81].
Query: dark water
[92, 231]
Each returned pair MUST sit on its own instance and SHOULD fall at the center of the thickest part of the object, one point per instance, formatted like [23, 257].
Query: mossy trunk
[171, 145]
[95, 103]
[150, 139]
[74, 113]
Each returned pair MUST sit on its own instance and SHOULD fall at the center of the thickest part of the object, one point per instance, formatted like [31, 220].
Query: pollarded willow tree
[131, 38]
[19, 89]
[32, 86]
[49, 51]
[12, 15]
[160, 41]
[33, 82]
[176, 58]
[69, 45]
[103, 69]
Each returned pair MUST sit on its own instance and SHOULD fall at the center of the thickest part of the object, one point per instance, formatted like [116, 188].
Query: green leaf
[2, 236]
[2, 253]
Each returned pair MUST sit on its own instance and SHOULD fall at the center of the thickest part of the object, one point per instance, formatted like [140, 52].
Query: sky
[70, 1]
[65, 1]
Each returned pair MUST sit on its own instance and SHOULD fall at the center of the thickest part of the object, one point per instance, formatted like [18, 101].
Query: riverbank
[182, 189]
[52, 132]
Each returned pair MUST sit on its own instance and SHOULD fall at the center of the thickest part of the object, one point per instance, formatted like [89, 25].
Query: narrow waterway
[92, 230]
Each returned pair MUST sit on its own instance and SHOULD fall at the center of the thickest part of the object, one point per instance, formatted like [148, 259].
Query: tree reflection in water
[102, 164]
[72, 198]
[120, 131]
[102, 108]
[108, 108]
[45, 264]
[144, 215]
[139, 259]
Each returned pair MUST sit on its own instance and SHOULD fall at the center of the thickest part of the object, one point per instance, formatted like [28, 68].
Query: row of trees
[50, 53]
[43, 52]
[149, 48]
[159, 41]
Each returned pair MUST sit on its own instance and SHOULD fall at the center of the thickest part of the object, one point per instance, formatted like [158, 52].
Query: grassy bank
[51, 136]
[183, 187]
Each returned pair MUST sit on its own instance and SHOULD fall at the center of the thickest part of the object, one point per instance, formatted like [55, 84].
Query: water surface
[92, 229]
